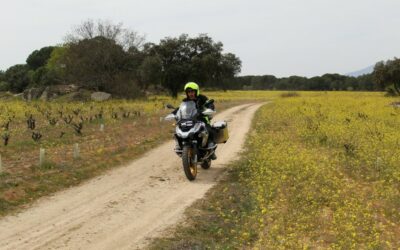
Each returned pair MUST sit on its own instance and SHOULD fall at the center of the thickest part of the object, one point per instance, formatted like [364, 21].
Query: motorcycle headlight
[187, 124]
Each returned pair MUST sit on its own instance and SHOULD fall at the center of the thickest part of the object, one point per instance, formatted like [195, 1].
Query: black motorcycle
[191, 136]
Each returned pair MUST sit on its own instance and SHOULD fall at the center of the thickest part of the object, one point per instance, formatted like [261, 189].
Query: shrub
[4, 86]
[290, 94]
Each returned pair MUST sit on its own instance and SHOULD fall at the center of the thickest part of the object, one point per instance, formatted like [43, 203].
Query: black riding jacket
[200, 101]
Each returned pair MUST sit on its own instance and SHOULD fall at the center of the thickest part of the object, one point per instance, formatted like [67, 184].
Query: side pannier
[221, 132]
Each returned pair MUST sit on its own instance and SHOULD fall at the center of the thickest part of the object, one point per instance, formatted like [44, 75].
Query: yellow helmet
[192, 85]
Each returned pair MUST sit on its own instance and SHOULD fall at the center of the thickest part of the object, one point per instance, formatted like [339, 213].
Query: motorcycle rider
[192, 91]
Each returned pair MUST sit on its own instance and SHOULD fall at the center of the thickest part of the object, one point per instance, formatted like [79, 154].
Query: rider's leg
[211, 140]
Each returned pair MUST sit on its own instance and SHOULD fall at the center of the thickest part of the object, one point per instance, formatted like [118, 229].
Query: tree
[39, 58]
[197, 59]
[150, 71]
[94, 63]
[18, 77]
[2, 76]
[227, 68]
[173, 53]
[102, 56]
[387, 75]
[366, 82]
[43, 76]
[4, 86]
[55, 68]
[90, 29]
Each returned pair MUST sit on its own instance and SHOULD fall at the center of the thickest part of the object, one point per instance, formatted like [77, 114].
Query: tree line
[326, 82]
[385, 77]
[104, 56]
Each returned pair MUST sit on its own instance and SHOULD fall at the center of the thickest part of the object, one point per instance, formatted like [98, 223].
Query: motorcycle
[191, 136]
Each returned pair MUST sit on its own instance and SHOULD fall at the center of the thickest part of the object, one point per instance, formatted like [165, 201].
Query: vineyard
[321, 170]
[47, 146]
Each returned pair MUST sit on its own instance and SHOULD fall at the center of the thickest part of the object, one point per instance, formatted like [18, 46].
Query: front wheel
[189, 163]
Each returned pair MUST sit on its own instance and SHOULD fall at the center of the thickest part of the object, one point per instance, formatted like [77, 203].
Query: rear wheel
[206, 164]
[189, 164]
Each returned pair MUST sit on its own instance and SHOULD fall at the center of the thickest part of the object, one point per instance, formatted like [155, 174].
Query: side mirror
[208, 102]
[208, 112]
[169, 106]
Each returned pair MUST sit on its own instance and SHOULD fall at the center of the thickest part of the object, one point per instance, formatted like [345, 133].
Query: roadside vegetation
[320, 170]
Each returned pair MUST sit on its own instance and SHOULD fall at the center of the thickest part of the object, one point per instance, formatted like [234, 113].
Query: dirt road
[125, 207]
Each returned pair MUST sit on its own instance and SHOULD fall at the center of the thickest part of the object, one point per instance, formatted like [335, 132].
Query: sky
[278, 37]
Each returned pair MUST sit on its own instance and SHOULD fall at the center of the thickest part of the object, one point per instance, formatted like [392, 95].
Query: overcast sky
[279, 37]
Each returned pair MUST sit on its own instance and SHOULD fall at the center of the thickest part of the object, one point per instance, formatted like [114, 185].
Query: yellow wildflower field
[320, 170]
[325, 171]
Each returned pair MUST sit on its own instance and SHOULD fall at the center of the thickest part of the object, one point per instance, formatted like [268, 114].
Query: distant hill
[367, 70]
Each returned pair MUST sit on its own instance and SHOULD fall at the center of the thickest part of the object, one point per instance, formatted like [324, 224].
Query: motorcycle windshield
[187, 110]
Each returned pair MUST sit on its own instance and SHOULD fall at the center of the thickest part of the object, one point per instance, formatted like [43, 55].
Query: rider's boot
[213, 156]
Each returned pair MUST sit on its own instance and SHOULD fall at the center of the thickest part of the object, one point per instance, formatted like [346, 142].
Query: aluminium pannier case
[221, 132]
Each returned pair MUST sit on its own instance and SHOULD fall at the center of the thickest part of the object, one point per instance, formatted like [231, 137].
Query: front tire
[189, 165]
